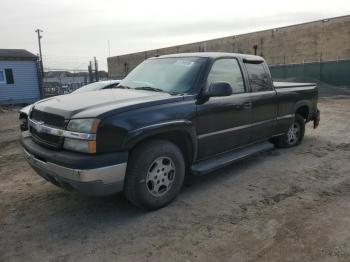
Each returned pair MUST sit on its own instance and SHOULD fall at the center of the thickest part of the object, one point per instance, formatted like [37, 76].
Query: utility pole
[96, 69]
[90, 72]
[38, 31]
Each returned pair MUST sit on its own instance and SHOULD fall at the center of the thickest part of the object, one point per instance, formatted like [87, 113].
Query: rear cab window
[258, 77]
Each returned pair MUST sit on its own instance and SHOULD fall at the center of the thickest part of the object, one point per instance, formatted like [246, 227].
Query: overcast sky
[75, 31]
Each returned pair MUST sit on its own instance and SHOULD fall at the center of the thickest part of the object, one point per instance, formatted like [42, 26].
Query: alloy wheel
[160, 176]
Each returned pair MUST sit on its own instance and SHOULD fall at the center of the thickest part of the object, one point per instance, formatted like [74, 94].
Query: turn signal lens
[95, 126]
[78, 145]
[92, 147]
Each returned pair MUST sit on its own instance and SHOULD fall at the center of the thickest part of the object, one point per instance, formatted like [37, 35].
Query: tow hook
[317, 119]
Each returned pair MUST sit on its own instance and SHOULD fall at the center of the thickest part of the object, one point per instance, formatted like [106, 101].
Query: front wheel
[294, 135]
[155, 174]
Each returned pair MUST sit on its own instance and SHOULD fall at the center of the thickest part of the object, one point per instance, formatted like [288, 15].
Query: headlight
[83, 146]
[88, 125]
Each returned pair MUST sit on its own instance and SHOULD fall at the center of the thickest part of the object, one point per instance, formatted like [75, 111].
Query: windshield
[171, 75]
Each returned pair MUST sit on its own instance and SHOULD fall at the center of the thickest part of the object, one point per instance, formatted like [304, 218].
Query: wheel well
[303, 111]
[179, 138]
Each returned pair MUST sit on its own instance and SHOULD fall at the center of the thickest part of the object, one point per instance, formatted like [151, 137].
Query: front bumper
[89, 174]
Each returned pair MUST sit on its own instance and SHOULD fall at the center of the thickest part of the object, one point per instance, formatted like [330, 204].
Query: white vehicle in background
[107, 84]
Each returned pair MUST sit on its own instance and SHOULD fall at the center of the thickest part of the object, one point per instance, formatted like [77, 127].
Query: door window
[227, 70]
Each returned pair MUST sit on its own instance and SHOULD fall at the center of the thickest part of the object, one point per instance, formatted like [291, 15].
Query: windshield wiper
[123, 87]
[149, 88]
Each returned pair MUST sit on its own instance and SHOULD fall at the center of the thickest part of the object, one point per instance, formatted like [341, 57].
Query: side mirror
[219, 89]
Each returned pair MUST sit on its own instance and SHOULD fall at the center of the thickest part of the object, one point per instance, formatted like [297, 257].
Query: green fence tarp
[332, 72]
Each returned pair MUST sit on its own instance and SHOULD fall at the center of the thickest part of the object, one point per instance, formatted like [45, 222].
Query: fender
[303, 103]
[186, 126]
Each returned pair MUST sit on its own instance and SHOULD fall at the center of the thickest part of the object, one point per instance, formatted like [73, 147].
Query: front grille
[48, 119]
[46, 139]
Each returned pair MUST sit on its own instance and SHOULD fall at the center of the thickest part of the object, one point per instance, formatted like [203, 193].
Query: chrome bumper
[98, 181]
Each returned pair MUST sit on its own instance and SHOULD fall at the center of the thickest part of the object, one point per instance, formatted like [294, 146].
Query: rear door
[264, 101]
[223, 122]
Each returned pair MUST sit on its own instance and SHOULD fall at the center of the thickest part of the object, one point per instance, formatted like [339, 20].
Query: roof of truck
[214, 55]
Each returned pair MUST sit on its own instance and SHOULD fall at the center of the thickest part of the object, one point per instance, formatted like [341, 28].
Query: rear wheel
[155, 174]
[294, 135]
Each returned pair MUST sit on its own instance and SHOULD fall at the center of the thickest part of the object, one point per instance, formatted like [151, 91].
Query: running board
[209, 165]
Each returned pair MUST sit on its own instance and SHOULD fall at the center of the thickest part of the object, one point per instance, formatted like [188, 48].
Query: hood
[103, 102]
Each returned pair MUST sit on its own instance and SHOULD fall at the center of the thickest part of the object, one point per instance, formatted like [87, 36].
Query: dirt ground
[283, 205]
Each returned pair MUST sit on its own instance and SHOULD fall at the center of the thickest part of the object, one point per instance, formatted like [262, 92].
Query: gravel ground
[283, 205]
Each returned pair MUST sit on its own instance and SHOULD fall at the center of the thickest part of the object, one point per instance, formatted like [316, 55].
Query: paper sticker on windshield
[184, 63]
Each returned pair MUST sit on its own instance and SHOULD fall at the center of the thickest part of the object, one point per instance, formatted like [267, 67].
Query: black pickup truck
[174, 114]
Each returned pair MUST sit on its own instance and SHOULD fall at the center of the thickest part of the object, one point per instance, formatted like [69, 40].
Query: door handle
[239, 106]
[247, 105]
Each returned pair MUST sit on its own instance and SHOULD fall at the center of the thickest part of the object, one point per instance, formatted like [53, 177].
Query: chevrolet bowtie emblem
[39, 126]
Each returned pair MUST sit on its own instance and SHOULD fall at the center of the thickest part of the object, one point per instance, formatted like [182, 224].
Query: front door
[223, 122]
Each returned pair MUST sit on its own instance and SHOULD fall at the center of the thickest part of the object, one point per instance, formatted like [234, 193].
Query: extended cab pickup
[172, 114]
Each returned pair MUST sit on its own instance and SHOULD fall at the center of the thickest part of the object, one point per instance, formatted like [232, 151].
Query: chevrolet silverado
[172, 115]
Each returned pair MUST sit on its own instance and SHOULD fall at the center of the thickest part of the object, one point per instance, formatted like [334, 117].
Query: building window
[6, 76]
[2, 77]
[9, 76]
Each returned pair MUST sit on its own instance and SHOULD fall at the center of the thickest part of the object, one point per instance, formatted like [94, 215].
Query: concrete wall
[323, 40]
[25, 88]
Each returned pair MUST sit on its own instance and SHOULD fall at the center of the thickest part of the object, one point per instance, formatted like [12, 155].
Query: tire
[155, 174]
[294, 135]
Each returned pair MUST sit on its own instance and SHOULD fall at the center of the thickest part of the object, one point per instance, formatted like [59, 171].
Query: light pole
[38, 31]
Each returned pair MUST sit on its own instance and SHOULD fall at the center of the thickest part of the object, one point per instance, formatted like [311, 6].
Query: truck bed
[291, 94]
